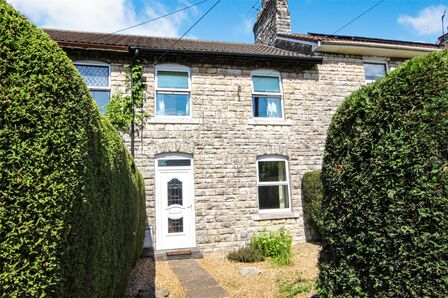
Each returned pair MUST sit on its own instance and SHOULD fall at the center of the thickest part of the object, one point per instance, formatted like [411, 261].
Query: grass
[300, 285]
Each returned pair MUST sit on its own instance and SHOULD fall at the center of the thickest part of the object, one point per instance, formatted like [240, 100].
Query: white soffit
[372, 49]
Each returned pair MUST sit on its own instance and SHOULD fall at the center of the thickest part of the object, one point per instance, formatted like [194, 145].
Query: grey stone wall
[225, 141]
[273, 19]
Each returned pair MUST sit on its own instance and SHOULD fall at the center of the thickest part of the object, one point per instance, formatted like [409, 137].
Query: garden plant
[274, 244]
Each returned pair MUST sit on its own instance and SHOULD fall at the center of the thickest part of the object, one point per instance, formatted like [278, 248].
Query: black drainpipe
[132, 101]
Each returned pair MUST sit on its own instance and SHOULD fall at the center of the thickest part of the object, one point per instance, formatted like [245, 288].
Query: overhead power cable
[253, 6]
[349, 23]
[146, 22]
[186, 32]
[366, 11]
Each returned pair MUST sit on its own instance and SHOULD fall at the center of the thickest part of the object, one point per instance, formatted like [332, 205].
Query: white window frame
[267, 73]
[176, 68]
[271, 183]
[374, 61]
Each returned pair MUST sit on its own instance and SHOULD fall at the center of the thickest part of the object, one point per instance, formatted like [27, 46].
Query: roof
[121, 42]
[316, 37]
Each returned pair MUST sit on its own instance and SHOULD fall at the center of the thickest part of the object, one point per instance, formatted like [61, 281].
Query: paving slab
[205, 282]
[207, 293]
[195, 280]
[183, 263]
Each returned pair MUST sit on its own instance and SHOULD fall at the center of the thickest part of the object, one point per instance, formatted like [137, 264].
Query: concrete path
[196, 282]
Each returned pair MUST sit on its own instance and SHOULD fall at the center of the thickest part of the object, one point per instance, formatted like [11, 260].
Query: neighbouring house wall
[394, 63]
[225, 142]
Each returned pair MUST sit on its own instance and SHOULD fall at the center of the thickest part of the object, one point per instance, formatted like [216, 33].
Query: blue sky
[231, 20]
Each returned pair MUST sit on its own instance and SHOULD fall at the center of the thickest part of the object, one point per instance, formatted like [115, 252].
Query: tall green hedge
[71, 198]
[385, 178]
[312, 199]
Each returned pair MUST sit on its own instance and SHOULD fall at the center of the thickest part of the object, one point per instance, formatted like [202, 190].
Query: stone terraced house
[232, 127]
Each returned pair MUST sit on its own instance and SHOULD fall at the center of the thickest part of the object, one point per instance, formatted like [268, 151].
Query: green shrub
[385, 178]
[122, 110]
[312, 198]
[119, 112]
[246, 255]
[274, 244]
[71, 199]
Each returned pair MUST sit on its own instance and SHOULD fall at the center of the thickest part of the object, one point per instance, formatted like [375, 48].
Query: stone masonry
[273, 19]
[225, 141]
[443, 40]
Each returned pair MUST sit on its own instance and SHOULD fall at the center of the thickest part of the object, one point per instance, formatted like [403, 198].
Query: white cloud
[427, 21]
[104, 15]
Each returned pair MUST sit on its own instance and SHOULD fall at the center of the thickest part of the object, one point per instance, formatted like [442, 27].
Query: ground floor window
[273, 183]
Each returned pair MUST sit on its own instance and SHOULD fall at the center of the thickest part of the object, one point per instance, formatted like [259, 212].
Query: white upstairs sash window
[173, 91]
[266, 95]
[374, 71]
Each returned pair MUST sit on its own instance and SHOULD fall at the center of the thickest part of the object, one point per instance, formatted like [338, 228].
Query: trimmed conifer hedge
[312, 200]
[71, 198]
[385, 178]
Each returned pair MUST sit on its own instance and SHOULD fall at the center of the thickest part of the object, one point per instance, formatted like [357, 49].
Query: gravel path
[142, 277]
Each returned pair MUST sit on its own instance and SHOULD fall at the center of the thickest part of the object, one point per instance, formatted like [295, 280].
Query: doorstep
[177, 254]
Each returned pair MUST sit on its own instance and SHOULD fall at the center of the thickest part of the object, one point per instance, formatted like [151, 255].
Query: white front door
[174, 204]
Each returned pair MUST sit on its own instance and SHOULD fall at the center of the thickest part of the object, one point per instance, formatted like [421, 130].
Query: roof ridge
[83, 39]
[151, 36]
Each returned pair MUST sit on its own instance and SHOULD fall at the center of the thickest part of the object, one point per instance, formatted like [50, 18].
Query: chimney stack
[443, 40]
[273, 19]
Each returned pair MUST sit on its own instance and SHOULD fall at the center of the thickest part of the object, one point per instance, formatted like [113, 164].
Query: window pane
[267, 107]
[175, 225]
[172, 104]
[266, 84]
[174, 163]
[174, 192]
[94, 76]
[172, 79]
[374, 71]
[269, 171]
[273, 197]
[101, 98]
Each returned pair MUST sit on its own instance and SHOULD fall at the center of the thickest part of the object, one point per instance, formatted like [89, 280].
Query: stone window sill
[173, 120]
[270, 122]
[273, 216]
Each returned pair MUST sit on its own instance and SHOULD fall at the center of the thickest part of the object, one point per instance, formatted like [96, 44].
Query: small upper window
[375, 71]
[266, 96]
[273, 183]
[173, 91]
[96, 77]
